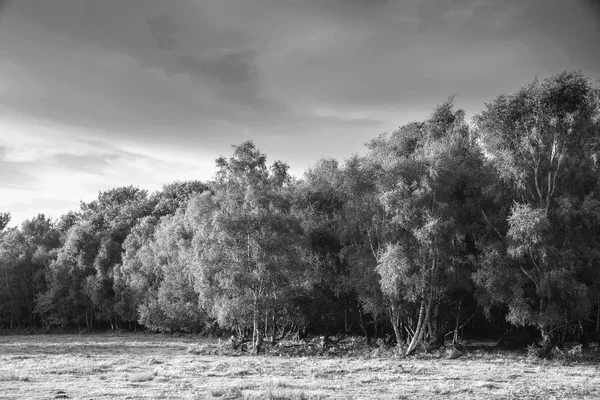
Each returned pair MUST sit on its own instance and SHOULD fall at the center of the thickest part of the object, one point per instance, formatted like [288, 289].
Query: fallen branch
[463, 325]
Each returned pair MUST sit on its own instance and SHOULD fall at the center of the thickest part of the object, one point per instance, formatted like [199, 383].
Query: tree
[13, 255]
[140, 276]
[320, 202]
[173, 304]
[543, 143]
[175, 196]
[425, 182]
[25, 254]
[65, 301]
[246, 241]
[81, 282]
[4, 220]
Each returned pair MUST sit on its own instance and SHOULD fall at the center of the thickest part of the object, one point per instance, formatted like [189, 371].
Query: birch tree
[246, 240]
[543, 143]
[423, 173]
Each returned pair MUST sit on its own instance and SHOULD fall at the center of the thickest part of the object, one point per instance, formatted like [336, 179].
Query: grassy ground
[148, 366]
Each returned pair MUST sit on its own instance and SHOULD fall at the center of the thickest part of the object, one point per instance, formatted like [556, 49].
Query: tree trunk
[417, 338]
[345, 319]
[583, 337]
[255, 329]
[32, 307]
[259, 342]
[402, 330]
[274, 326]
[456, 326]
[437, 331]
[395, 320]
[361, 323]
[547, 342]
[266, 333]
[256, 334]
[598, 316]
[326, 337]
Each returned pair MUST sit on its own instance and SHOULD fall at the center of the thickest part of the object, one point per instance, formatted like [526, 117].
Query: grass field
[146, 366]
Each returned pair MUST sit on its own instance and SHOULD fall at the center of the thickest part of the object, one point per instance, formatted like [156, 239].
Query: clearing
[151, 366]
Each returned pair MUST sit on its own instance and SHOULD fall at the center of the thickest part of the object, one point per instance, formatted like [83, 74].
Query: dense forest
[443, 228]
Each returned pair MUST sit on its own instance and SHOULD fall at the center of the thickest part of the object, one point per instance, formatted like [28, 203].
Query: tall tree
[543, 143]
[140, 276]
[65, 301]
[246, 240]
[320, 202]
[89, 259]
[174, 304]
[424, 181]
[25, 254]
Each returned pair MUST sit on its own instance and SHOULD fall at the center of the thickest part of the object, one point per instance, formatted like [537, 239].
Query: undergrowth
[358, 347]
[344, 346]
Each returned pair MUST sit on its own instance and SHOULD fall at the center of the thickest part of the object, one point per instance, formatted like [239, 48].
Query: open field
[145, 366]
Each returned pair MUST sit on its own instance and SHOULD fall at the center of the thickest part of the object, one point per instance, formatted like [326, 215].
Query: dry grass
[155, 367]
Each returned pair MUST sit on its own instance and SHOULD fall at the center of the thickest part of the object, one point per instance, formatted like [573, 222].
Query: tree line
[441, 226]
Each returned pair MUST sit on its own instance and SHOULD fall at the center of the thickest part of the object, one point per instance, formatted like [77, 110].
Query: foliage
[439, 224]
[4, 220]
[542, 143]
[245, 240]
[426, 185]
[25, 255]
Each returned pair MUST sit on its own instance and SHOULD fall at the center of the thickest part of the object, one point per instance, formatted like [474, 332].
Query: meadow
[153, 366]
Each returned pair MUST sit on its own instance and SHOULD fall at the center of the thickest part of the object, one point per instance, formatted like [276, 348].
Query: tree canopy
[442, 223]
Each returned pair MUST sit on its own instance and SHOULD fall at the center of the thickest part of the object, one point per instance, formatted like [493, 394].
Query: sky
[96, 94]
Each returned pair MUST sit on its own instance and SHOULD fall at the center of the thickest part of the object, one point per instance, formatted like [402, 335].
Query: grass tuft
[280, 390]
[14, 378]
[143, 377]
[227, 393]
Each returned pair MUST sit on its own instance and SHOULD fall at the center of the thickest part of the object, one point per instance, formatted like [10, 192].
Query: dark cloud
[229, 69]
[177, 38]
[165, 31]
[304, 79]
[4, 4]
[232, 75]
[572, 28]
[594, 6]
[209, 73]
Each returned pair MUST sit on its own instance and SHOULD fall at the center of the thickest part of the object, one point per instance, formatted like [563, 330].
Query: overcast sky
[96, 94]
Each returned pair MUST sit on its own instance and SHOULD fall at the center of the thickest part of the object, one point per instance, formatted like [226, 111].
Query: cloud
[230, 69]
[102, 93]
[94, 164]
[232, 75]
[15, 174]
[165, 31]
[4, 4]
[51, 172]
[192, 64]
